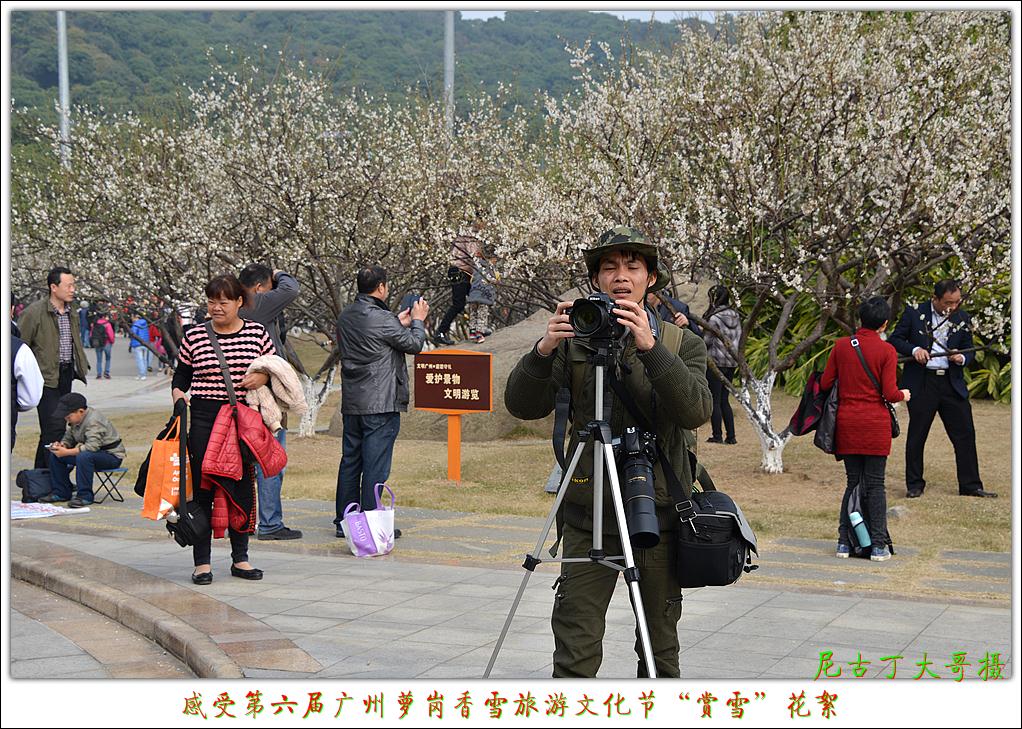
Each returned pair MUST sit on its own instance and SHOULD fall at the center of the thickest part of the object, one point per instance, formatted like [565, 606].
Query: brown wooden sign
[454, 381]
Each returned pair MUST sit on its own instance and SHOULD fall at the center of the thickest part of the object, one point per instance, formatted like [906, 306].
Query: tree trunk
[760, 415]
[316, 393]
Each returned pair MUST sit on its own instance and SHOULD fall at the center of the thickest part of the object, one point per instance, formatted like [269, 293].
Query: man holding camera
[669, 390]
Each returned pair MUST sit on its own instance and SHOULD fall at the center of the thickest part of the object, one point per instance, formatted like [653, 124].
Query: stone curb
[193, 648]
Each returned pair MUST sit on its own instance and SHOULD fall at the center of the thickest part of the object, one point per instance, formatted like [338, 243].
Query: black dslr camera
[593, 318]
[636, 454]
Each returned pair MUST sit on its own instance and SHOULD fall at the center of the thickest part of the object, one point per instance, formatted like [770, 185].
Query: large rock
[507, 346]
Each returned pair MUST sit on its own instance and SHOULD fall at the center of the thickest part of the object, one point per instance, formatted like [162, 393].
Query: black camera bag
[715, 542]
[34, 483]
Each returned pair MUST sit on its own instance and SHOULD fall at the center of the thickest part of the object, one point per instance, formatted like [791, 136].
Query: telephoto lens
[637, 489]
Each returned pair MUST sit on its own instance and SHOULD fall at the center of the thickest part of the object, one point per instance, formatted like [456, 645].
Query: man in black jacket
[374, 386]
[937, 336]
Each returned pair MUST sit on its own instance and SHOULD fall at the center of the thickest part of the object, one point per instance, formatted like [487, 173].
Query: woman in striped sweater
[199, 371]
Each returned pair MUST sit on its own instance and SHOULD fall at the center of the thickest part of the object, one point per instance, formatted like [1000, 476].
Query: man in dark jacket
[374, 386]
[937, 335]
[624, 266]
[677, 312]
[50, 327]
[267, 294]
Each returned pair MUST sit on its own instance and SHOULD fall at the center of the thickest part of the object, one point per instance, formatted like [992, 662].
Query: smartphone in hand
[409, 299]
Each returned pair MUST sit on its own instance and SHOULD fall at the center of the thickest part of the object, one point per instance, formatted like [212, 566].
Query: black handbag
[895, 425]
[192, 524]
[34, 483]
[826, 432]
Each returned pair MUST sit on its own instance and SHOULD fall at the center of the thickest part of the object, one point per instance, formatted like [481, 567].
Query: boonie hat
[625, 238]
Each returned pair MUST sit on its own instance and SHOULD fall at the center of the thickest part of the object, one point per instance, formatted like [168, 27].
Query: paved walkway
[52, 636]
[435, 607]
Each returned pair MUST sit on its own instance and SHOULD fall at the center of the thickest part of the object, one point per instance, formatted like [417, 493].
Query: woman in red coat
[863, 429]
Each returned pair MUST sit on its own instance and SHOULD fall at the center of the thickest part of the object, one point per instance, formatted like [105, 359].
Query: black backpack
[97, 338]
[34, 483]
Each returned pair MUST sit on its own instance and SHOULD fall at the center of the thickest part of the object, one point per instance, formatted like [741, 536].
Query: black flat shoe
[202, 578]
[252, 574]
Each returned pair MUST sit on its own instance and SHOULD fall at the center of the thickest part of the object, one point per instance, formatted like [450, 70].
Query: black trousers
[51, 428]
[938, 397]
[461, 282]
[721, 406]
[871, 470]
[200, 426]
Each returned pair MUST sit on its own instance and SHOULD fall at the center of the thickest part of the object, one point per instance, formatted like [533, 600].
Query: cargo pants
[583, 593]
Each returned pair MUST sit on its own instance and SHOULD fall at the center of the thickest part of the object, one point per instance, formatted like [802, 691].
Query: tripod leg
[533, 559]
[631, 572]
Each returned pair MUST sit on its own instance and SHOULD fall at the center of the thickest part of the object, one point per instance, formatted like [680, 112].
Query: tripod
[603, 455]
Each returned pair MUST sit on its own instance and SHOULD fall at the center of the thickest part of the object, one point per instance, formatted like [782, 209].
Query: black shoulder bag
[895, 426]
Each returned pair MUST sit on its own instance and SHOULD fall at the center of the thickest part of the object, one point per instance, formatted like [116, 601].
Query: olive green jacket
[675, 381]
[39, 330]
[94, 433]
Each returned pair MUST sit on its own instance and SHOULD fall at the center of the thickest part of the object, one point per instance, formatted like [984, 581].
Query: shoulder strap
[225, 371]
[671, 335]
[862, 359]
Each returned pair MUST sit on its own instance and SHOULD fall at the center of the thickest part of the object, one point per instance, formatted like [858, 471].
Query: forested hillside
[140, 61]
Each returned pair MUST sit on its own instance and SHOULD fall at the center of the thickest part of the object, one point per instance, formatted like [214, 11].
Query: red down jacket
[223, 454]
[223, 458]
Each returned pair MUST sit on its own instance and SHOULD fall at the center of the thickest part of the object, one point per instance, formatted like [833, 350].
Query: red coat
[236, 506]
[863, 422]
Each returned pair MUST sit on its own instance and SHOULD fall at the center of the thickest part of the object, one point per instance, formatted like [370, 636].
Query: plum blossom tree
[271, 167]
[804, 157]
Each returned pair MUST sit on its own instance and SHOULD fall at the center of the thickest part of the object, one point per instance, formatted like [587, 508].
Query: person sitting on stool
[90, 444]
[937, 336]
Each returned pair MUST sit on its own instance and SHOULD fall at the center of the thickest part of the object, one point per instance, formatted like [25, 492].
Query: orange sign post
[454, 382]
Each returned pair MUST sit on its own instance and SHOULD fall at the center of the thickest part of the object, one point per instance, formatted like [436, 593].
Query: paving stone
[980, 571]
[56, 666]
[959, 620]
[998, 557]
[737, 645]
[827, 545]
[846, 644]
[835, 577]
[792, 668]
[770, 628]
[830, 604]
[299, 623]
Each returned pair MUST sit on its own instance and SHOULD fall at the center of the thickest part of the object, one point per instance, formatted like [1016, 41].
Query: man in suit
[937, 336]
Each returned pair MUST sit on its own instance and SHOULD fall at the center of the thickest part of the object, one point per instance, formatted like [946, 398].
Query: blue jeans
[105, 351]
[140, 360]
[367, 450]
[271, 517]
[85, 464]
